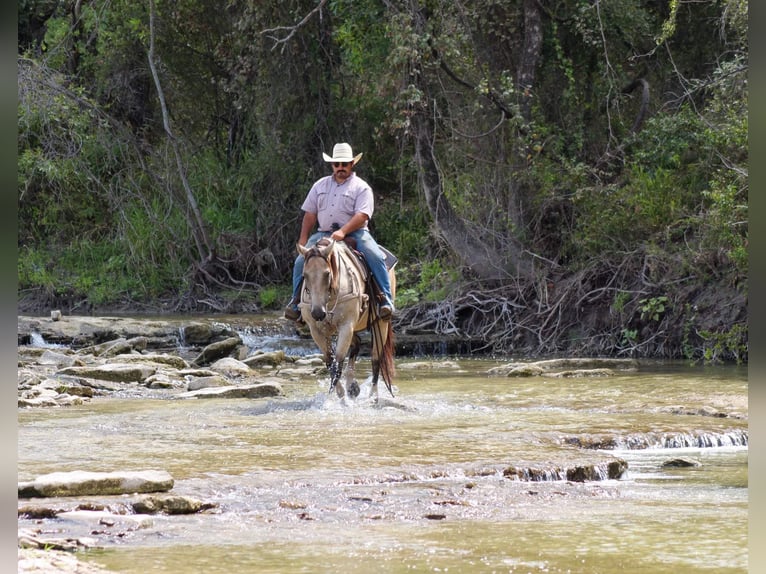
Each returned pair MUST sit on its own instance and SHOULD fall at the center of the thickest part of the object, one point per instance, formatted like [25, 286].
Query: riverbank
[697, 319]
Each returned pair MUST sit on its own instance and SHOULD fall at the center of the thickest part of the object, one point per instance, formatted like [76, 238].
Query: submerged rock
[565, 367]
[681, 463]
[170, 505]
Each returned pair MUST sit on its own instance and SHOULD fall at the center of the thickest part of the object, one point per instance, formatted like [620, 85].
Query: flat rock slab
[83, 483]
[256, 391]
[114, 372]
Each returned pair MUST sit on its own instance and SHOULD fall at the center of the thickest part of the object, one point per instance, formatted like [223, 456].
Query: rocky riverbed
[70, 361]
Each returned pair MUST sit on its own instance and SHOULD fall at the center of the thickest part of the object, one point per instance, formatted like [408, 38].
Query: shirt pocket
[323, 200]
[349, 202]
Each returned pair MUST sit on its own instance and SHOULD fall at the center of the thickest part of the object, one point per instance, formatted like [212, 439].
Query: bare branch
[290, 31]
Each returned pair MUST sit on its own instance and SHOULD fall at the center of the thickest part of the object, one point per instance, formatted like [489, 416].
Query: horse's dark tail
[387, 368]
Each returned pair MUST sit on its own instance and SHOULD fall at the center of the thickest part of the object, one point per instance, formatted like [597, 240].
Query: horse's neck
[351, 271]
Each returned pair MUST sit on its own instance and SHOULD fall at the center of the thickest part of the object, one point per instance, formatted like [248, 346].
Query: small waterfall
[37, 340]
[706, 439]
[607, 470]
[644, 441]
[182, 337]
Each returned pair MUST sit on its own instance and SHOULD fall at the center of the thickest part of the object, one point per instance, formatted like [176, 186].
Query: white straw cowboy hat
[342, 152]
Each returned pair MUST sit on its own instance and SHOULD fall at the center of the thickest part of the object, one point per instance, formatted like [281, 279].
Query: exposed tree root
[638, 305]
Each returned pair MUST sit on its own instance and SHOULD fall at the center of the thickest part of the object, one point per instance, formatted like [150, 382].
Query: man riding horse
[341, 205]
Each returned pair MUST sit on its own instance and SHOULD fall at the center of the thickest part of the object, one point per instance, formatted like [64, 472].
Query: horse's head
[319, 275]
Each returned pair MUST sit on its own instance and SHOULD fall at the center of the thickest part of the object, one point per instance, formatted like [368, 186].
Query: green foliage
[273, 297]
[653, 308]
[405, 232]
[628, 337]
[621, 298]
[102, 210]
[430, 281]
[98, 272]
[725, 346]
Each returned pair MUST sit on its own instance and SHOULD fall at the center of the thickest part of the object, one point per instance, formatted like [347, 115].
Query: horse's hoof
[353, 389]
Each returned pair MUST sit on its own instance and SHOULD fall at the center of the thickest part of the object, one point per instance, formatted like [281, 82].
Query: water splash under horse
[337, 304]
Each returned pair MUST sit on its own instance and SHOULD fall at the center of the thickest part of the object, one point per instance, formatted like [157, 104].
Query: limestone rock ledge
[84, 483]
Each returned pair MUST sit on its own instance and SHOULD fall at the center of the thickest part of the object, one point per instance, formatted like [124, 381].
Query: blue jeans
[367, 246]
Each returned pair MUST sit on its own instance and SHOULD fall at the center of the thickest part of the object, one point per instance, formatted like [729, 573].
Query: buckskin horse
[337, 303]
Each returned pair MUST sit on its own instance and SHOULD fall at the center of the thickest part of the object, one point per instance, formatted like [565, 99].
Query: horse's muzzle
[318, 314]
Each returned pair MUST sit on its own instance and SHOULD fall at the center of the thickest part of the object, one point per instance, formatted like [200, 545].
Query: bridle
[334, 286]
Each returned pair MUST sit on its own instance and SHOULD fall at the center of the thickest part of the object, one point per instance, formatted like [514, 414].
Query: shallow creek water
[306, 484]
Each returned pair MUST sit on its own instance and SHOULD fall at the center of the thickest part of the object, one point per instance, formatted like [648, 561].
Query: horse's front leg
[335, 366]
[342, 345]
[352, 387]
[375, 375]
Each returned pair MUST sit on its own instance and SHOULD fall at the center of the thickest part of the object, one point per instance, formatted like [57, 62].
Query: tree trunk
[530, 55]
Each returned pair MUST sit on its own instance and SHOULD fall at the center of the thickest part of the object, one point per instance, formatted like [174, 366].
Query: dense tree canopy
[554, 176]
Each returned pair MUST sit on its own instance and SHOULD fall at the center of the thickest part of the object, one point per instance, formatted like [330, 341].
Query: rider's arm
[307, 226]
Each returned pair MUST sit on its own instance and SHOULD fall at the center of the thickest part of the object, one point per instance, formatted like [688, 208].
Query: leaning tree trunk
[194, 219]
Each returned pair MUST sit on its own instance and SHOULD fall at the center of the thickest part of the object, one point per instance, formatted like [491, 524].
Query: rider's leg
[376, 260]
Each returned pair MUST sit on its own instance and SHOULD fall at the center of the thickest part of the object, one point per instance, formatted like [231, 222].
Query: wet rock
[639, 441]
[292, 504]
[681, 463]
[83, 483]
[38, 512]
[572, 367]
[170, 505]
[113, 348]
[417, 365]
[309, 361]
[161, 359]
[31, 402]
[260, 358]
[583, 373]
[255, 391]
[197, 333]
[515, 370]
[704, 411]
[594, 442]
[57, 359]
[164, 381]
[606, 470]
[231, 367]
[611, 470]
[38, 561]
[213, 381]
[218, 350]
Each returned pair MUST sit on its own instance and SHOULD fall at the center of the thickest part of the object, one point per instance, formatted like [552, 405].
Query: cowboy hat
[342, 152]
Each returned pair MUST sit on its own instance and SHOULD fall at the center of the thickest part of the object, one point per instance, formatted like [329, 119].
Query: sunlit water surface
[306, 484]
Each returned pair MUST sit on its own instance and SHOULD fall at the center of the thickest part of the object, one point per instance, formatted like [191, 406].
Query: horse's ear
[302, 250]
[325, 250]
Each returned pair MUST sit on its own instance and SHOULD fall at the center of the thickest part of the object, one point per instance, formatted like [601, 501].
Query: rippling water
[306, 484]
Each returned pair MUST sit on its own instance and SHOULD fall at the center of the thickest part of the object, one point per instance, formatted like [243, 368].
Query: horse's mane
[331, 258]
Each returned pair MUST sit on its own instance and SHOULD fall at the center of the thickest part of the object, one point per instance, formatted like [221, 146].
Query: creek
[307, 484]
